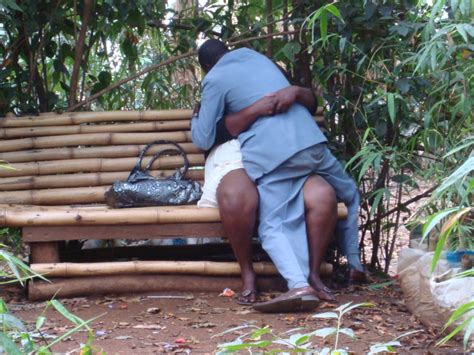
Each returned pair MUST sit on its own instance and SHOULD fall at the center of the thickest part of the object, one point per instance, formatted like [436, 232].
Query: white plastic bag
[432, 297]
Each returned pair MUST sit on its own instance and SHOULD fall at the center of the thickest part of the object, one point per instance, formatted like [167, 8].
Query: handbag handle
[178, 149]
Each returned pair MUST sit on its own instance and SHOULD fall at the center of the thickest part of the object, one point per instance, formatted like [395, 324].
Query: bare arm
[240, 121]
[269, 105]
[291, 94]
[307, 98]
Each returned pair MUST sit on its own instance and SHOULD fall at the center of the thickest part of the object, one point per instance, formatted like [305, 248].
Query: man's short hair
[210, 52]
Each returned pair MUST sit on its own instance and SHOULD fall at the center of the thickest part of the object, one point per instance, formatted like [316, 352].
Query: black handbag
[141, 189]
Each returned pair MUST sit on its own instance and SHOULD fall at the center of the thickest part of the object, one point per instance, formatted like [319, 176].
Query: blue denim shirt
[240, 78]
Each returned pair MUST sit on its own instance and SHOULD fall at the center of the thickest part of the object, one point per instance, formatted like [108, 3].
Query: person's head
[210, 52]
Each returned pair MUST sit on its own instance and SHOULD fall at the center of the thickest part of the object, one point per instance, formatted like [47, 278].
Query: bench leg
[44, 252]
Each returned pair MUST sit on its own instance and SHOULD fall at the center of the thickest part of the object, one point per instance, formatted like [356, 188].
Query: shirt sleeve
[203, 127]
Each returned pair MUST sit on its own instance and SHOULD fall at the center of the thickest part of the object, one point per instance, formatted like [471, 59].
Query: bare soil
[189, 323]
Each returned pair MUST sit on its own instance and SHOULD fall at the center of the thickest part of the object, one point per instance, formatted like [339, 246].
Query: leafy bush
[291, 341]
[11, 237]
[456, 224]
[396, 77]
[15, 337]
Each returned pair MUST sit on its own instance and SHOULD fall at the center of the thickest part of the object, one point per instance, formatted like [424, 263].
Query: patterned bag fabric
[141, 189]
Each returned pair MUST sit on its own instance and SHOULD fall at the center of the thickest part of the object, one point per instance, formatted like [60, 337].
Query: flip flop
[244, 297]
[297, 300]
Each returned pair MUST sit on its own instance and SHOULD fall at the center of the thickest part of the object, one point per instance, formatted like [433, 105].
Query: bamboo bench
[63, 165]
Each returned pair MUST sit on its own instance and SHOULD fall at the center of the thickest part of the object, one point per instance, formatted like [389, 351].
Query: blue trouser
[282, 227]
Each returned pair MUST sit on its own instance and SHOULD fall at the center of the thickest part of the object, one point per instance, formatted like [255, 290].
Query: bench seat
[62, 166]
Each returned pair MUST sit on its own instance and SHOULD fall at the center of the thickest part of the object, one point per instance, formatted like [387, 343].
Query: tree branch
[162, 64]
[179, 26]
[403, 205]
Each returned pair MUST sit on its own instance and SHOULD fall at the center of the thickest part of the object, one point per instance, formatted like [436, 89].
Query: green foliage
[11, 237]
[464, 316]
[340, 312]
[321, 15]
[456, 222]
[17, 270]
[38, 42]
[390, 346]
[15, 337]
[291, 341]
[397, 77]
[5, 165]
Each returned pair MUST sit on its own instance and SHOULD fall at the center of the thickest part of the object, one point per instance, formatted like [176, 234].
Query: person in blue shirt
[281, 151]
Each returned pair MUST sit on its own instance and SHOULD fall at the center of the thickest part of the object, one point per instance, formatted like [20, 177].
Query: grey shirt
[239, 79]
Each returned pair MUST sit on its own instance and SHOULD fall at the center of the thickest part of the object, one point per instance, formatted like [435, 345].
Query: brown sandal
[302, 299]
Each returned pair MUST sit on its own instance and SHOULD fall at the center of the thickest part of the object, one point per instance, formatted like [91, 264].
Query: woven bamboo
[88, 152]
[74, 118]
[95, 165]
[72, 140]
[57, 196]
[157, 126]
[78, 195]
[80, 180]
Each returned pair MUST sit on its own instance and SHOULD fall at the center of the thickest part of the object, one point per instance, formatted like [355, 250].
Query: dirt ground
[189, 323]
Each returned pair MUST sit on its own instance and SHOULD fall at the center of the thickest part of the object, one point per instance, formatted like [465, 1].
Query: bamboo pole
[121, 151]
[51, 120]
[18, 216]
[97, 285]
[46, 209]
[156, 267]
[57, 196]
[74, 118]
[76, 216]
[95, 165]
[91, 139]
[78, 209]
[156, 126]
[78, 195]
[80, 180]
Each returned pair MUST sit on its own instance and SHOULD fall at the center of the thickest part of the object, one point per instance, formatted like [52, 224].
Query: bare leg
[238, 203]
[321, 217]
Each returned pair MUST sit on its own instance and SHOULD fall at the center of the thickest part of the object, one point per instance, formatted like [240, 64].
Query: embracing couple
[269, 162]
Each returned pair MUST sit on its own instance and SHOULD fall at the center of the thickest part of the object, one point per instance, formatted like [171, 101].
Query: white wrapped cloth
[222, 160]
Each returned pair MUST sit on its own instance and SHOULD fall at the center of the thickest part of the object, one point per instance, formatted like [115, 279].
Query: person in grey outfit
[280, 152]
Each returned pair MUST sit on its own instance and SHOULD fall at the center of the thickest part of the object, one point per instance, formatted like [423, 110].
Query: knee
[238, 200]
[320, 197]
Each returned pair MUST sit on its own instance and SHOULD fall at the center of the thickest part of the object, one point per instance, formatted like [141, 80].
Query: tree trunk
[269, 9]
[79, 51]
[302, 75]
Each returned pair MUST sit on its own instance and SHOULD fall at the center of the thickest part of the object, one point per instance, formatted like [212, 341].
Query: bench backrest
[73, 158]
